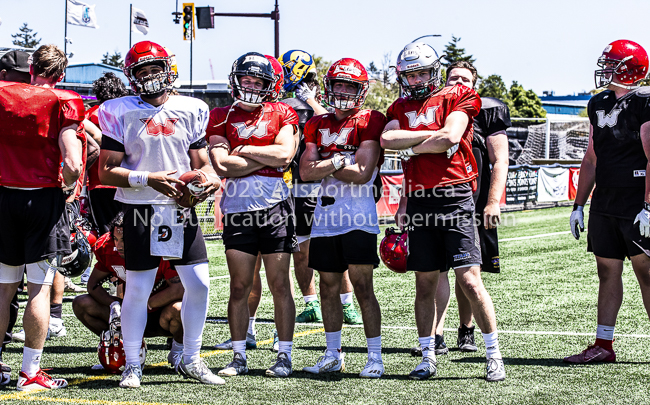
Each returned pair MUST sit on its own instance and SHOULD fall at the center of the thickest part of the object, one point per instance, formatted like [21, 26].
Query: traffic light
[188, 21]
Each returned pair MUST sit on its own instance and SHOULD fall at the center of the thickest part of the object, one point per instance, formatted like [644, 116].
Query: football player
[164, 304]
[616, 161]
[40, 126]
[342, 150]
[437, 207]
[148, 141]
[251, 144]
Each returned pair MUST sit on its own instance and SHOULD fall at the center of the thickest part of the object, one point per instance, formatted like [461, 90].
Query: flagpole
[65, 34]
[130, 23]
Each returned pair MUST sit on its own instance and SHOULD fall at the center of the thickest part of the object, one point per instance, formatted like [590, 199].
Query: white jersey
[154, 138]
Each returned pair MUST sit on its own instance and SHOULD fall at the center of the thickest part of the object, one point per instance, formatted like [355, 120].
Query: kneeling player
[343, 150]
[164, 305]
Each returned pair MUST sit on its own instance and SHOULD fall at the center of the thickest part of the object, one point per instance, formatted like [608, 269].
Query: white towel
[167, 223]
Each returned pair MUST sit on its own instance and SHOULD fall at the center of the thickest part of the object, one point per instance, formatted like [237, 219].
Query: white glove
[348, 158]
[406, 154]
[338, 161]
[643, 218]
[451, 151]
[303, 92]
[577, 221]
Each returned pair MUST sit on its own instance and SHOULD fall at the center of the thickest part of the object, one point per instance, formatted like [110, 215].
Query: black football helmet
[256, 65]
[77, 262]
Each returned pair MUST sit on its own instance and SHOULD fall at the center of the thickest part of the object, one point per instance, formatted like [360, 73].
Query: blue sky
[548, 45]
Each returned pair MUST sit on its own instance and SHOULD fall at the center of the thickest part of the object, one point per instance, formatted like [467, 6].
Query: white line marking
[543, 235]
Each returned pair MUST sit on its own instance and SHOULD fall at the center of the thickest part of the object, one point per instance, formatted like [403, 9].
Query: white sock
[31, 361]
[251, 325]
[134, 311]
[605, 332]
[239, 346]
[196, 280]
[427, 350]
[177, 347]
[310, 298]
[285, 347]
[374, 345]
[333, 342]
[346, 298]
[492, 345]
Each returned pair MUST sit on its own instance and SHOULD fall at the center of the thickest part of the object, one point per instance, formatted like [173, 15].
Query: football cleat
[327, 363]
[495, 370]
[236, 367]
[131, 376]
[592, 354]
[5, 374]
[311, 313]
[374, 367]
[424, 370]
[275, 347]
[174, 359]
[251, 343]
[440, 347]
[56, 329]
[69, 286]
[199, 371]
[40, 381]
[281, 368]
[351, 315]
[465, 340]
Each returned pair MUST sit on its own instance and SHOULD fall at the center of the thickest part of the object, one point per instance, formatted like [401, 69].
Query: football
[191, 188]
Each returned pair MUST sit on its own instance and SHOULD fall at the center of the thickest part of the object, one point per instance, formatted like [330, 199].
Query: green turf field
[548, 284]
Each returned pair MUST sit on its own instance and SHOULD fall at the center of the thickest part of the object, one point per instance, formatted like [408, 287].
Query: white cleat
[131, 376]
[374, 367]
[327, 363]
[199, 371]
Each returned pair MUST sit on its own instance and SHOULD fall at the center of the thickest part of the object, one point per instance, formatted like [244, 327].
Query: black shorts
[153, 328]
[33, 225]
[137, 240]
[271, 230]
[489, 246]
[614, 238]
[441, 237]
[104, 207]
[333, 254]
[304, 214]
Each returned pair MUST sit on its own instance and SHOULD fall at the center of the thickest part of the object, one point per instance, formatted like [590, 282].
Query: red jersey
[430, 170]
[93, 172]
[258, 127]
[332, 136]
[31, 118]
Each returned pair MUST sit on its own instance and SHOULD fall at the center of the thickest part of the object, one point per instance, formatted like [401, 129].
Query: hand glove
[643, 218]
[451, 151]
[303, 92]
[406, 154]
[338, 161]
[577, 221]
[348, 158]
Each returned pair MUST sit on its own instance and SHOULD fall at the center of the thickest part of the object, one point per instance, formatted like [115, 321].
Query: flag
[81, 14]
[139, 21]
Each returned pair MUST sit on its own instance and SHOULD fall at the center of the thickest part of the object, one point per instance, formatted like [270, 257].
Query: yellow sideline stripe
[92, 401]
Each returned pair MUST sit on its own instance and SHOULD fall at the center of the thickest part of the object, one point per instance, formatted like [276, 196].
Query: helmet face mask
[351, 71]
[253, 64]
[416, 57]
[149, 53]
[623, 64]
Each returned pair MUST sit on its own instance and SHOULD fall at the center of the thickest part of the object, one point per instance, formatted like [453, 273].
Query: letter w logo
[155, 129]
[245, 132]
[427, 118]
[609, 120]
[340, 139]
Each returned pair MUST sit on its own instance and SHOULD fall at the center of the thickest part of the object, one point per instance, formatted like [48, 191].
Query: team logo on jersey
[166, 129]
[609, 120]
[427, 118]
[341, 138]
[245, 132]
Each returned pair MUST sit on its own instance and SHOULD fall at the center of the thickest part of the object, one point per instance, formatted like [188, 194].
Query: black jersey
[493, 117]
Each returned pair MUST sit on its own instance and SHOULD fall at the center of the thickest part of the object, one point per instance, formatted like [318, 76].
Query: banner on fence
[553, 184]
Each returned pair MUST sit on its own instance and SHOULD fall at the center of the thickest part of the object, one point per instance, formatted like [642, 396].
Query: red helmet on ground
[394, 250]
[149, 53]
[279, 75]
[623, 60]
[111, 351]
[351, 71]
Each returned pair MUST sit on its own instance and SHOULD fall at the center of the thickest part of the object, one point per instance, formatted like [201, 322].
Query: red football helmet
[394, 250]
[149, 53]
[623, 60]
[279, 75]
[351, 71]
[111, 351]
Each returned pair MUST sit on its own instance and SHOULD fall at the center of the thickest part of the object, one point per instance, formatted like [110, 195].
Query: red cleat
[40, 381]
[592, 354]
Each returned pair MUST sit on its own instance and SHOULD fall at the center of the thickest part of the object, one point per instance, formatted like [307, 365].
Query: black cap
[15, 60]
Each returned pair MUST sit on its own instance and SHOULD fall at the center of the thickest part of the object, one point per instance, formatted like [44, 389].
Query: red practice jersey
[93, 172]
[430, 170]
[31, 119]
[258, 127]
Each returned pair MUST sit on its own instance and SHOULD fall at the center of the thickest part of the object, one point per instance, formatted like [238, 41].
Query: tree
[383, 89]
[524, 103]
[114, 60]
[321, 65]
[493, 86]
[25, 38]
[454, 53]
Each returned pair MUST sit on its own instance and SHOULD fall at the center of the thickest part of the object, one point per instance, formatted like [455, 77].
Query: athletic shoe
[374, 367]
[69, 286]
[97, 367]
[424, 370]
[86, 276]
[592, 354]
[327, 364]
[56, 329]
[40, 381]
[19, 336]
[251, 343]
[311, 313]
[350, 315]
[199, 371]
[131, 376]
[236, 367]
[5, 374]
[276, 342]
[466, 339]
[281, 368]
[174, 358]
[495, 370]
[440, 348]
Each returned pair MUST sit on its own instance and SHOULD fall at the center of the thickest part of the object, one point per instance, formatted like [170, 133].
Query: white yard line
[543, 235]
